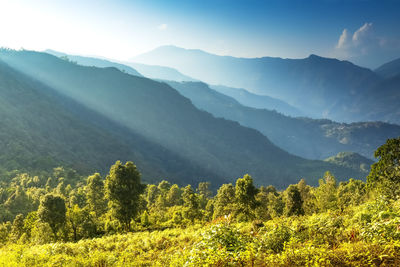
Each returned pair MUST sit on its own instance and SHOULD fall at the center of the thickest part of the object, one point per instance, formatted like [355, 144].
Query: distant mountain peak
[314, 56]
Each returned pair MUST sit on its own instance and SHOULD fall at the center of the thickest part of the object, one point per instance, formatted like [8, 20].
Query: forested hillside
[158, 112]
[310, 138]
[41, 129]
[248, 99]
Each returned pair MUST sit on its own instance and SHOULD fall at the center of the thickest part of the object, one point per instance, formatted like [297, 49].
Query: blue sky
[365, 32]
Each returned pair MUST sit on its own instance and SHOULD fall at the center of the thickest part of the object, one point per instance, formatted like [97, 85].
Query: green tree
[81, 223]
[29, 222]
[52, 211]
[164, 186]
[261, 211]
[19, 202]
[351, 193]
[123, 189]
[95, 195]
[224, 201]
[385, 174]
[245, 193]
[17, 228]
[191, 204]
[294, 203]
[152, 193]
[204, 193]
[276, 204]
[174, 196]
[308, 197]
[144, 219]
[326, 193]
[77, 196]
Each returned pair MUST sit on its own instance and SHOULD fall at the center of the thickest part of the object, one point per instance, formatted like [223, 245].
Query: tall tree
[123, 189]
[174, 196]
[191, 204]
[261, 211]
[308, 197]
[326, 193]
[245, 193]
[385, 174]
[224, 201]
[95, 194]
[17, 228]
[52, 210]
[294, 203]
[204, 193]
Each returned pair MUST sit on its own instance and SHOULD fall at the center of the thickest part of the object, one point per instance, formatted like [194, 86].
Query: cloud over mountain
[364, 45]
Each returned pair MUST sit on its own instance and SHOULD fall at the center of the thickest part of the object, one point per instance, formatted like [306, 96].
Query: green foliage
[330, 225]
[95, 194]
[245, 193]
[191, 204]
[123, 188]
[52, 211]
[385, 174]
[351, 193]
[294, 202]
[326, 194]
[17, 228]
[275, 237]
[224, 201]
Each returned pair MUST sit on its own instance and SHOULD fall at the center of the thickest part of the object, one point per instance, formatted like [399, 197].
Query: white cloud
[362, 34]
[366, 47]
[162, 27]
[352, 46]
[343, 39]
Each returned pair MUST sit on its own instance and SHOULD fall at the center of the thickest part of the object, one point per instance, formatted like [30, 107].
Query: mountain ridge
[160, 113]
[318, 86]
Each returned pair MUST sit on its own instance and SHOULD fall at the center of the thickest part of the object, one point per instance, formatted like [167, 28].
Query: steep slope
[170, 74]
[321, 87]
[351, 160]
[137, 69]
[163, 116]
[160, 72]
[246, 98]
[389, 69]
[41, 129]
[92, 61]
[381, 101]
[315, 139]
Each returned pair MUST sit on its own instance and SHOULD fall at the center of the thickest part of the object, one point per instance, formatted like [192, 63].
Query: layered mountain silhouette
[166, 119]
[246, 98]
[313, 139]
[310, 138]
[320, 87]
[170, 74]
[42, 129]
[389, 69]
[137, 69]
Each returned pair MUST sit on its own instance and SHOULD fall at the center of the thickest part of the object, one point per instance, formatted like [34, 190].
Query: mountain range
[156, 112]
[42, 129]
[305, 137]
[319, 87]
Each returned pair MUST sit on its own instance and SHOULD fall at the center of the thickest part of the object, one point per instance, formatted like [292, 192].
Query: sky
[365, 32]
